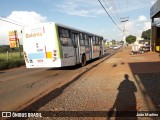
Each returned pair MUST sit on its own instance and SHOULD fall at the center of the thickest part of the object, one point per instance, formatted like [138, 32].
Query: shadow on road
[125, 103]
[148, 82]
[2, 72]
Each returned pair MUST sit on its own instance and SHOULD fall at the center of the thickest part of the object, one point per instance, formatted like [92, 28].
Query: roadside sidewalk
[144, 72]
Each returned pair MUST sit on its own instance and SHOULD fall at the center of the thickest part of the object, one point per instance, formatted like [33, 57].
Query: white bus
[56, 45]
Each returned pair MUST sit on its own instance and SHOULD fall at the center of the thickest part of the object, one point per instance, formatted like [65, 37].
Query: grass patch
[11, 60]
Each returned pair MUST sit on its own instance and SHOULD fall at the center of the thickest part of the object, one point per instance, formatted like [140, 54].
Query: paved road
[20, 87]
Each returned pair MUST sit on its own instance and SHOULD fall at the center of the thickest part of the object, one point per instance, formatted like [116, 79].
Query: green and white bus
[56, 45]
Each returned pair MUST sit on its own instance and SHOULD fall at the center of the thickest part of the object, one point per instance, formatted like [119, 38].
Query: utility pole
[124, 20]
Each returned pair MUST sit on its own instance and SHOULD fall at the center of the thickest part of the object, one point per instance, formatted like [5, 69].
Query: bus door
[90, 47]
[75, 37]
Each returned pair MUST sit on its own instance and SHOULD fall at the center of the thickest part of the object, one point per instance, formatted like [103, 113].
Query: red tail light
[54, 54]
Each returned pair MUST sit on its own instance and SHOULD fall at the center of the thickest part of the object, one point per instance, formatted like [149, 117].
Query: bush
[4, 64]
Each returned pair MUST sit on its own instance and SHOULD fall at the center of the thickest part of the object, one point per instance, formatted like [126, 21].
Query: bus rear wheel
[83, 60]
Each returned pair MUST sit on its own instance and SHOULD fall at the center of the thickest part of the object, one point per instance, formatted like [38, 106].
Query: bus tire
[83, 60]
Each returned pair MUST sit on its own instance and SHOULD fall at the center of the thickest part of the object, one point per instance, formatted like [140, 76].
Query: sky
[87, 15]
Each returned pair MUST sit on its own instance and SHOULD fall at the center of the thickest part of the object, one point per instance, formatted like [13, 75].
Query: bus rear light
[55, 53]
[54, 59]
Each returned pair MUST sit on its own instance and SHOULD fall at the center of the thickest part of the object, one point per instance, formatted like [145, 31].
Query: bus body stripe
[57, 42]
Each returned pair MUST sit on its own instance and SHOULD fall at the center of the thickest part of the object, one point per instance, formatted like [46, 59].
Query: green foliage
[11, 55]
[5, 48]
[122, 42]
[113, 42]
[130, 39]
[13, 61]
[146, 34]
[4, 64]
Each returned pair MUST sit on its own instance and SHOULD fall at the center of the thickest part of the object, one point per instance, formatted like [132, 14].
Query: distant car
[120, 46]
[111, 47]
[115, 47]
[146, 48]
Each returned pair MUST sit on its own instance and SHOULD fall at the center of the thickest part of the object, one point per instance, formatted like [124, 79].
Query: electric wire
[12, 20]
[111, 9]
[115, 8]
[2, 19]
[110, 16]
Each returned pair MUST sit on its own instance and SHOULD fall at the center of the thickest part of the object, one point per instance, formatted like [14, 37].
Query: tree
[121, 42]
[146, 34]
[113, 42]
[130, 39]
[4, 48]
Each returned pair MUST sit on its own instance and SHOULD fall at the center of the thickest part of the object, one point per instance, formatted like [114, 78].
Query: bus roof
[75, 29]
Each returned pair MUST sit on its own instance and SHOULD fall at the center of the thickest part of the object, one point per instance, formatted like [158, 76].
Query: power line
[114, 6]
[112, 10]
[110, 16]
[11, 22]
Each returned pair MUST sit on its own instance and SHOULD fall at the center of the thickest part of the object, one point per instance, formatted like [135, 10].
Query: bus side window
[70, 43]
[86, 40]
[97, 41]
[86, 43]
[100, 41]
[94, 41]
[82, 39]
[73, 38]
[64, 35]
[63, 41]
[82, 42]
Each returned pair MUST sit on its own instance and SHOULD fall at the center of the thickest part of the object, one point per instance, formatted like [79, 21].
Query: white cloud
[147, 25]
[19, 17]
[84, 8]
[142, 18]
[92, 8]
[26, 17]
